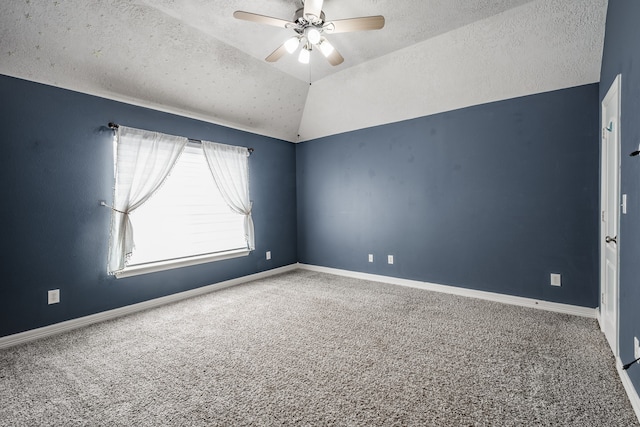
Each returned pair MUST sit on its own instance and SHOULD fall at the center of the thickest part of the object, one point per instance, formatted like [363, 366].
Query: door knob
[611, 239]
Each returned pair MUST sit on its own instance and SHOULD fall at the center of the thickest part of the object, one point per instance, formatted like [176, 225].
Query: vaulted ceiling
[191, 57]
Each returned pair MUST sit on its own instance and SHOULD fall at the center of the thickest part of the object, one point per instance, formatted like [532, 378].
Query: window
[177, 203]
[187, 216]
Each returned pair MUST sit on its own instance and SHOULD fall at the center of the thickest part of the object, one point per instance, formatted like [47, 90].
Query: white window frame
[153, 267]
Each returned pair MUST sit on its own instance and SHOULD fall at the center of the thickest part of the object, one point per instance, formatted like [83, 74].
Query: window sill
[136, 270]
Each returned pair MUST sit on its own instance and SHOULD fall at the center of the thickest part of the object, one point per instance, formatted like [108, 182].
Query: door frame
[615, 90]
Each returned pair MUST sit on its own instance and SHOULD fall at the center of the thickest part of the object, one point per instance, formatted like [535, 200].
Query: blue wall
[56, 164]
[493, 197]
[622, 56]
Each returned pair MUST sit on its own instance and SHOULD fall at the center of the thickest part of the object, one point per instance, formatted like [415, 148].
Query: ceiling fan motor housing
[304, 22]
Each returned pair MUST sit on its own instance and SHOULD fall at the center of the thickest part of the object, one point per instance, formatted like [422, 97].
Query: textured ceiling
[193, 58]
[538, 47]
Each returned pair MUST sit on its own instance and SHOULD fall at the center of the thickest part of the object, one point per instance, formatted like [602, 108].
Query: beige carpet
[307, 348]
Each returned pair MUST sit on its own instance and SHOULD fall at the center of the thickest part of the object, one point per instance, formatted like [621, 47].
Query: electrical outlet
[268, 255]
[556, 279]
[370, 257]
[636, 348]
[390, 259]
[53, 296]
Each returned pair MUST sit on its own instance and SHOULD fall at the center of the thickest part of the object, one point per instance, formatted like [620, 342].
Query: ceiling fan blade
[276, 54]
[355, 24]
[313, 7]
[261, 19]
[335, 58]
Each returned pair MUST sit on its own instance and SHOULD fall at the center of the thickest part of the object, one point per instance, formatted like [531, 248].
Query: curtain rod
[115, 126]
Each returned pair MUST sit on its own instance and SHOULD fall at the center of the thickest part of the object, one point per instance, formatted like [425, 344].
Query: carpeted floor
[307, 348]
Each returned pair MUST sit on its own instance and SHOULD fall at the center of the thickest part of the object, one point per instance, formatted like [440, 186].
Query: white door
[610, 207]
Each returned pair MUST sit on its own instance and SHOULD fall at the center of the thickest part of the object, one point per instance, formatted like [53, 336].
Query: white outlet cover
[556, 279]
[53, 296]
[370, 257]
[268, 255]
[636, 348]
[390, 259]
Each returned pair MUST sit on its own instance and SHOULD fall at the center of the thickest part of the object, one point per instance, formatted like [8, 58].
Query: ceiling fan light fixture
[313, 35]
[310, 25]
[292, 44]
[304, 55]
[325, 47]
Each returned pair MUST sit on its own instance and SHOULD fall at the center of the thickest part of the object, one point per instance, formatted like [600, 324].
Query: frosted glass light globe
[292, 44]
[313, 35]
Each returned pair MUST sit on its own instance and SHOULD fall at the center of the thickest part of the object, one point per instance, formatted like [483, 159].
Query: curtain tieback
[112, 208]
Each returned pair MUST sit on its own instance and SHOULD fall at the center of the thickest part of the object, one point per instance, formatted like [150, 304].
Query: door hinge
[602, 298]
[603, 133]
[602, 216]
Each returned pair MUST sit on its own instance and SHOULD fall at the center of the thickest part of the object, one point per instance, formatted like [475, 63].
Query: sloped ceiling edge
[538, 47]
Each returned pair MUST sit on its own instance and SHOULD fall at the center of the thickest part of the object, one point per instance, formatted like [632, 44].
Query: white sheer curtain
[144, 159]
[229, 166]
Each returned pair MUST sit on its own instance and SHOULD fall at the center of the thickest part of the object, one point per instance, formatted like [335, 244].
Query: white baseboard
[34, 334]
[629, 388]
[490, 296]
[68, 325]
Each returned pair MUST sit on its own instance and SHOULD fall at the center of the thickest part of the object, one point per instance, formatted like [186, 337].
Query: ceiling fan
[310, 26]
